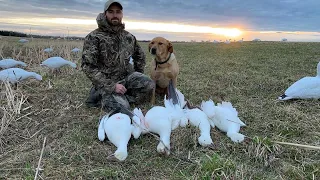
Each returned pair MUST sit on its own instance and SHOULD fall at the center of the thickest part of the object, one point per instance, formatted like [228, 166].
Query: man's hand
[120, 89]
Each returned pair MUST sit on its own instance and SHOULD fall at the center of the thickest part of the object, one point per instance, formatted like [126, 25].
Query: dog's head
[160, 47]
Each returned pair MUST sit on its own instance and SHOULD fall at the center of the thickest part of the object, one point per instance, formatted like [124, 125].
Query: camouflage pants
[139, 90]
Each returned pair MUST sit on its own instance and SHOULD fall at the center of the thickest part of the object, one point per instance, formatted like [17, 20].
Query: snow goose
[160, 120]
[215, 42]
[118, 129]
[14, 75]
[200, 120]
[75, 50]
[23, 41]
[57, 62]
[48, 50]
[197, 118]
[305, 88]
[225, 118]
[9, 63]
[227, 41]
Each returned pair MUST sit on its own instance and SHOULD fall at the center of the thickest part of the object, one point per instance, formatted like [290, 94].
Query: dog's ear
[170, 47]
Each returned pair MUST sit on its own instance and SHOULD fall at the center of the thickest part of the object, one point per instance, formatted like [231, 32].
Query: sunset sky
[182, 20]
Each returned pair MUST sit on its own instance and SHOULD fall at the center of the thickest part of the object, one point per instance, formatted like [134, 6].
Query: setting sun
[167, 27]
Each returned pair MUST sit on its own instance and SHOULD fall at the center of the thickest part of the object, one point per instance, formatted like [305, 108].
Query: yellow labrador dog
[165, 68]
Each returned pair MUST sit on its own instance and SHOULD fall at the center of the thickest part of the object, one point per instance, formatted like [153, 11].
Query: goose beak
[167, 152]
[213, 146]
[282, 97]
[112, 158]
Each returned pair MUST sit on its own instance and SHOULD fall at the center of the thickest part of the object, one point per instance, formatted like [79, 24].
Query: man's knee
[151, 85]
[140, 81]
[144, 95]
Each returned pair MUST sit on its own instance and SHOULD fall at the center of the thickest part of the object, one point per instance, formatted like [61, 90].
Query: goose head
[205, 140]
[139, 115]
[37, 76]
[118, 155]
[121, 155]
[136, 131]
[74, 65]
[23, 64]
[164, 148]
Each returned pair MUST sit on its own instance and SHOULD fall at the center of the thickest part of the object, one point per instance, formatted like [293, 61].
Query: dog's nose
[153, 51]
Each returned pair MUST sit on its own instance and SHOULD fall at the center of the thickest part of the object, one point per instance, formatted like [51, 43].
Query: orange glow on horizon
[130, 25]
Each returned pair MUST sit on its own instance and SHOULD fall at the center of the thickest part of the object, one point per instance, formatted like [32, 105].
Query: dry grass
[250, 75]
[12, 105]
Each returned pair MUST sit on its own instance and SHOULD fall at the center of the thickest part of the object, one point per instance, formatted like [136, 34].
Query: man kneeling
[114, 61]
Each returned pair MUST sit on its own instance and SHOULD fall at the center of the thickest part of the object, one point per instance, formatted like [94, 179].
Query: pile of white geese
[162, 120]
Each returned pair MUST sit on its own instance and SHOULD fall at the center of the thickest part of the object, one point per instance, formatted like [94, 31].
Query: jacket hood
[105, 26]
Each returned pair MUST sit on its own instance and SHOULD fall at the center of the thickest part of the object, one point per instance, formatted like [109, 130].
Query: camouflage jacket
[106, 55]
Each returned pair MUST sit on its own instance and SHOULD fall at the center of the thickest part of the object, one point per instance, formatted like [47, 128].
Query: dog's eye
[160, 43]
[152, 42]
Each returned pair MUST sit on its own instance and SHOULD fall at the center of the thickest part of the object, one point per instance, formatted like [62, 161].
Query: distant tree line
[12, 33]
[19, 34]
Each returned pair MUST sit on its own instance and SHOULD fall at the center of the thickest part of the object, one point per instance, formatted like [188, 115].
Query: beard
[115, 25]
[114, 22]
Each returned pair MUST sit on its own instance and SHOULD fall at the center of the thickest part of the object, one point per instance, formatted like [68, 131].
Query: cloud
[262, 15]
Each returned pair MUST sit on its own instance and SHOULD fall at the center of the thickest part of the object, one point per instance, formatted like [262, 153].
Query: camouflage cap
[110, 2]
